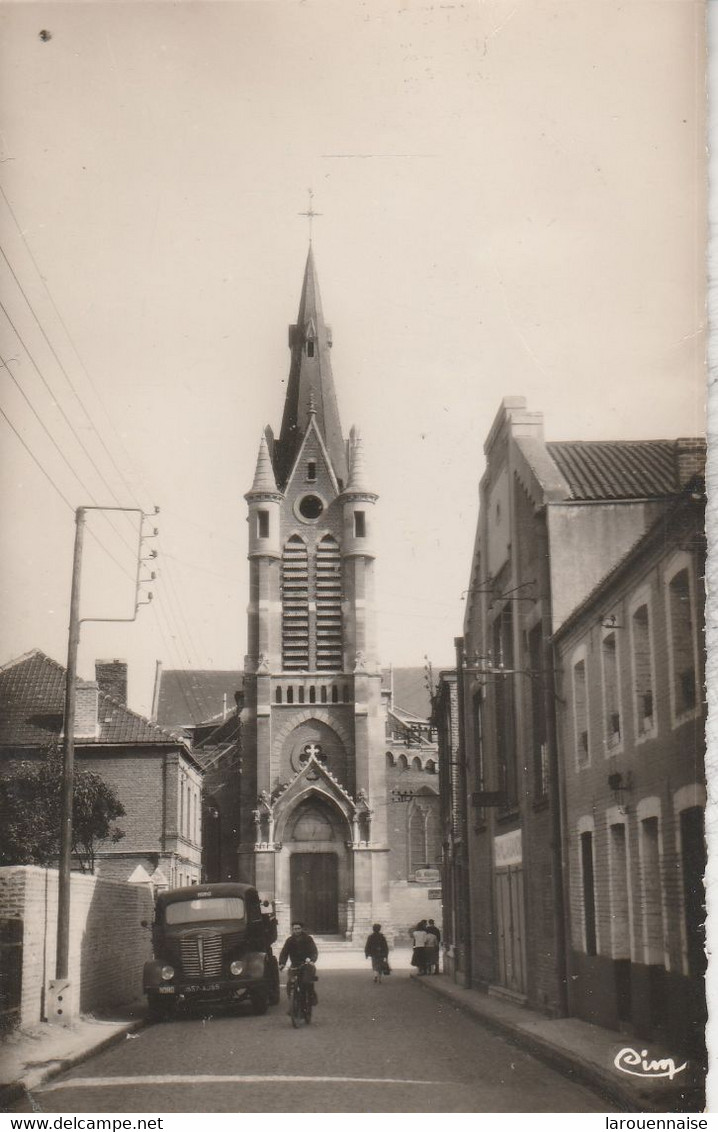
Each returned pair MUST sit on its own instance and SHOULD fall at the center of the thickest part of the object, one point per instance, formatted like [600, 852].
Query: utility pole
[59, 989]
[60, 1004]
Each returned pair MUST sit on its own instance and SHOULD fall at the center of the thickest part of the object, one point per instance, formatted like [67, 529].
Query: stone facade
[312, 817]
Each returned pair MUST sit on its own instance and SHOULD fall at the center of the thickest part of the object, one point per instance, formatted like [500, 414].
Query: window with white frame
[682, 641]
[643, 677]
[580, 711]
[611, 691]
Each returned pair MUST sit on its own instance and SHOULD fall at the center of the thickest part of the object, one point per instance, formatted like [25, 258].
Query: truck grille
[201, 955]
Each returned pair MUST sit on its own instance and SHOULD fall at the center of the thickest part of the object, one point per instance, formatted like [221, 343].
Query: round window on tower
[310, 507]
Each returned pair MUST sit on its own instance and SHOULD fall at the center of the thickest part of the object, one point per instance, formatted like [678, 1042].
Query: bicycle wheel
[307, 1004]
[296, 1011]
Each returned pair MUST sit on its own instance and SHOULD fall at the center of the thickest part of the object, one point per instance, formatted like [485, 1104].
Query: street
[392, 1047]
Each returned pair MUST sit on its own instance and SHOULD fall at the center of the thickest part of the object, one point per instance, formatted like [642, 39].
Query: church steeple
[311, 385]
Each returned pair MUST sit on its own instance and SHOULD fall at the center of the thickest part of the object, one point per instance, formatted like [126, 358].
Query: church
[313, 822]
[334, 814]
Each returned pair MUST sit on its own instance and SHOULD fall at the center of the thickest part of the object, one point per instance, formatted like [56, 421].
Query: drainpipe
[462, 894]
[555, 802]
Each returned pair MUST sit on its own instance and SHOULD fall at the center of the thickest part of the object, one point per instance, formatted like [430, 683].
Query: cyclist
[298, 948]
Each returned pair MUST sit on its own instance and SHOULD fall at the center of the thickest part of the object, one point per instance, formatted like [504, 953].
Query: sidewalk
[580, 1050]
[30, 1057]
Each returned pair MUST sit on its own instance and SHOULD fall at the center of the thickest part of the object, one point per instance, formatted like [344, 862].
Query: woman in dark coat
[377, 949]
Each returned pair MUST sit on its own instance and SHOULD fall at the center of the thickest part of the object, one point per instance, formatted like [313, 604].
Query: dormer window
[310, 349]
[312, 471]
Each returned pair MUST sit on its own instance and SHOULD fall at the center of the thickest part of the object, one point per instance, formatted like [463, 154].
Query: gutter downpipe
[555, 803]
[464, 895]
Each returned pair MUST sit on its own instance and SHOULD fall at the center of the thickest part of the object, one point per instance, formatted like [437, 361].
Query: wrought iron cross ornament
[310, 213]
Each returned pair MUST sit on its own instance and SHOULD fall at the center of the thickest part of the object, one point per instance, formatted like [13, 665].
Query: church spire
[310, 390]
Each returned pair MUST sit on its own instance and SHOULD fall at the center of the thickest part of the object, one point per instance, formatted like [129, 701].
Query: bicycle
[302, 993]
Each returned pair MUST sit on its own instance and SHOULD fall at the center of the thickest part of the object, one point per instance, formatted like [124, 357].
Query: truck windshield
[211, 908]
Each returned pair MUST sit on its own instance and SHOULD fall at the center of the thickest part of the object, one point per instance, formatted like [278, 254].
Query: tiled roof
[410, 690]
[32, 696]
[621, 469]
[188, 696]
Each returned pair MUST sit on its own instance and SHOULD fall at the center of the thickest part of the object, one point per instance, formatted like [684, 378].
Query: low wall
[108, 947]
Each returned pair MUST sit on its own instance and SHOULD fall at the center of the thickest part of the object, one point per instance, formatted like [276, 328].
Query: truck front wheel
[160, 1007]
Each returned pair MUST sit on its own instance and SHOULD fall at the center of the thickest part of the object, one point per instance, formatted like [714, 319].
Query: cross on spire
[310, 213]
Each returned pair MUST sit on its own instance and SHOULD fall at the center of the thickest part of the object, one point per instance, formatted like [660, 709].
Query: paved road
[387, 1048]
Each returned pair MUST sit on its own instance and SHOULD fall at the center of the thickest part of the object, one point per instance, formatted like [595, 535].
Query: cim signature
[627, 1059]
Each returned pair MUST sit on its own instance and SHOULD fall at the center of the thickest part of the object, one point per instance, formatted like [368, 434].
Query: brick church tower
[313, 812]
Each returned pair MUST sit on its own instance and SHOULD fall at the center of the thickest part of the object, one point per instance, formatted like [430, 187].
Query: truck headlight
[167, 973]
[235, 967]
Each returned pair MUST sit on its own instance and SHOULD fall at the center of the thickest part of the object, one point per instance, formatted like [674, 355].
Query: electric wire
[77, 355]
[65, 417]
[47, 430]
[64, 498]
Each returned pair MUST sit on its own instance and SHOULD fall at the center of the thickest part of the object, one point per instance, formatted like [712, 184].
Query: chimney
[86, 726]
[690, 459]
[111, 677]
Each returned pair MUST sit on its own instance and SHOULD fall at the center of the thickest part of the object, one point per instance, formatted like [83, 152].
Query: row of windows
[416, 764]
[640, 653]
[310, 507]
[302, 694]
[635, 921]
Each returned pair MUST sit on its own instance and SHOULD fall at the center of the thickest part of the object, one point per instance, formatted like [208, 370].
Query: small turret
[264, 500]
[358, 502]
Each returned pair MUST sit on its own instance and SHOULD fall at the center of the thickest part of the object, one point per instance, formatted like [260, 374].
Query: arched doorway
[318, 866]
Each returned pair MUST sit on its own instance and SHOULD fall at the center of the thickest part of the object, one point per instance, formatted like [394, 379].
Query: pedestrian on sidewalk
[433, 936]
[418, 955]
[377, 949]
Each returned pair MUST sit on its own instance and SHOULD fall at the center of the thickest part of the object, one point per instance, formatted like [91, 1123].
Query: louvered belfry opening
[295, 605]
[329, 605]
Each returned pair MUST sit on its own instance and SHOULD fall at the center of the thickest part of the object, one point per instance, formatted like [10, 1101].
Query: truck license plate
[197, 989]
[166, 990]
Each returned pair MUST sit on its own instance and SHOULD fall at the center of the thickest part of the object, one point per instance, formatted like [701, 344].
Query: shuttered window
[295, 605]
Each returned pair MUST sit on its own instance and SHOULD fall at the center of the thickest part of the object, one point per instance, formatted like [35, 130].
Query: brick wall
[108, 947]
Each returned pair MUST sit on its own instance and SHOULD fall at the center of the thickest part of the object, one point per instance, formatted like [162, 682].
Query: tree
[30, 803]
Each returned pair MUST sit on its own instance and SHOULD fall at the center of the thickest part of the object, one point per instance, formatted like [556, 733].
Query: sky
[512, 203]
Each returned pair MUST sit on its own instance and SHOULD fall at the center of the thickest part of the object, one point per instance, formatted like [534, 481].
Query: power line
[29, 451]
[76, 351]
[50, 480]
[51, 437]
[55, 401]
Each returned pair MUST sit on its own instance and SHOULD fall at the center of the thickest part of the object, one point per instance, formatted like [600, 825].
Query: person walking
[377, 949]
[433, 938]
[418, 955]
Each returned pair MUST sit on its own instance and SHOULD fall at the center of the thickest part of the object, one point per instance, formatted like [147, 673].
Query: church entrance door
[315, 891]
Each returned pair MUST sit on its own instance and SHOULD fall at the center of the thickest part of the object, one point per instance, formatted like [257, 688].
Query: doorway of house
[510, 923]
[314, 881]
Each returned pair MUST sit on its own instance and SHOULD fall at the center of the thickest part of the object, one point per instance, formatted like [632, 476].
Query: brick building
[554, 519]
[630, 732]
[152, 771]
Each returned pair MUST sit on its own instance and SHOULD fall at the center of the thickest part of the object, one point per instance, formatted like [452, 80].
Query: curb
[571, 1065]
[14, 1091]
